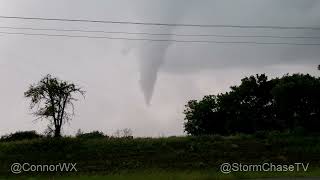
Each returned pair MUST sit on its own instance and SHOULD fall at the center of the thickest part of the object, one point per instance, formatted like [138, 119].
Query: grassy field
[166, 175]
[161, 158]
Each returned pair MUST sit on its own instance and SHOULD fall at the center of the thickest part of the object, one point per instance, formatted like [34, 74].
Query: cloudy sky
[144, 85]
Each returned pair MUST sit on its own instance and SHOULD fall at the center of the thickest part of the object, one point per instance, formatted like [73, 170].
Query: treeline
[32, 135]
[258, 104]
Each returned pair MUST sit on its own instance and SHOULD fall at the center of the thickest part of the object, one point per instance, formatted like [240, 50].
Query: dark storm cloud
[182, 57]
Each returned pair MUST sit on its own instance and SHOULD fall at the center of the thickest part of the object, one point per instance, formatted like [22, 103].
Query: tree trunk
[57, 131]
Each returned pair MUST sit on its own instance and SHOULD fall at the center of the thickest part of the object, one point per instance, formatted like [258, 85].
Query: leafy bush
[90, 135]
[21, 135]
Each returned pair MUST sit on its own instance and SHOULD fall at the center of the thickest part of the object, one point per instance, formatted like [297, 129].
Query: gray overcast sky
[122, 77]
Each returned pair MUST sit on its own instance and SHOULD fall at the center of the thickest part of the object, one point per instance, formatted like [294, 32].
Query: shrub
[91, 135]
[21, 135]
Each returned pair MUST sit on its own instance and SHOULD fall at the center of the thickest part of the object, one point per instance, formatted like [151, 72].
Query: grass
[172, 175]
[162, 158]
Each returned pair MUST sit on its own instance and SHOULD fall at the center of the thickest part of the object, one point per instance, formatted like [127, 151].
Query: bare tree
[127, 132]
[51, 99]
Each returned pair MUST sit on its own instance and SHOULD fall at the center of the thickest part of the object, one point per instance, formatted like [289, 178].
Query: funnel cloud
[152, 54]
[152, 57]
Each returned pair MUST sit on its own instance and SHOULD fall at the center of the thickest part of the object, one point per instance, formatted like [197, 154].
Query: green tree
[297, 100]
[258, 104]
[52, 98]
[249, 106]
[203, 117]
